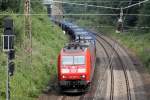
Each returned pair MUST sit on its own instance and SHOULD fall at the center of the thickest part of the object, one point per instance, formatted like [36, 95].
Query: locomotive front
[74, 67]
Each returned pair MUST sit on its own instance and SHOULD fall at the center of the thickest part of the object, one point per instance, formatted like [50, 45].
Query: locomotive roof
[78, 29]
[73, 26]
[82, 32]
[76, 46]
[84, 37]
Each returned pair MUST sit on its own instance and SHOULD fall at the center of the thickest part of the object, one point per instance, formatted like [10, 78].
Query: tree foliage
[13, 5]
[111, 20]
[144, 20]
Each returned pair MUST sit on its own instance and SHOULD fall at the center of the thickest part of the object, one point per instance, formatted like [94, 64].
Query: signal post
[8, 48]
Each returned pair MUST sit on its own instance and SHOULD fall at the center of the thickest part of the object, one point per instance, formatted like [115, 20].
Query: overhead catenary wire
[89, 1]
[128, 9]
[94, 6]
[73, 14]
[136, 28]
[109, 26]
[106, 7]
[135, 4]
[80, 4]
[146, 15]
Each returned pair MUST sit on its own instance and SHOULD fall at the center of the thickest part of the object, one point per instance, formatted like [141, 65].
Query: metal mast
[57, 10]
[28, 31]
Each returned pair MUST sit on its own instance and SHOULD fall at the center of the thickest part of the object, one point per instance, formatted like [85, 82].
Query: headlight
[64, 71]
[82, 76]
[81, 70]
[63, 76]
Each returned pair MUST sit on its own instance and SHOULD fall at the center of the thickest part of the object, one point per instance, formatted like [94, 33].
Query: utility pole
[85, 9]
[48, 4]
[28, 31]
[120, 22]
[57, 11]
[8, 81]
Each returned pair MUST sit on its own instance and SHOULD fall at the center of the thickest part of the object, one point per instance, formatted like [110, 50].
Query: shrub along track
[112, 79]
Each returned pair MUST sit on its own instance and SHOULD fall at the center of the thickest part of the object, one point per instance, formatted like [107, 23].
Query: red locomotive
[76, 63]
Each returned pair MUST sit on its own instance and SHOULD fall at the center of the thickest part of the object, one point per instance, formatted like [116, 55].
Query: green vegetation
[138, 43]
[28, 81]
[48, 39]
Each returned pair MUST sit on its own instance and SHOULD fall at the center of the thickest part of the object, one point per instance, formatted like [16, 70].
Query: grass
[28, 81]
[138, 43]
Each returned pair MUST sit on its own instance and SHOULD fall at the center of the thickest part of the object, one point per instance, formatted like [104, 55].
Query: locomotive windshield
[73, 60]
[79, 60]
[67, 60]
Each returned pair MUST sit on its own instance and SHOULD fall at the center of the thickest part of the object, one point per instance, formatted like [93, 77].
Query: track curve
[111, 73]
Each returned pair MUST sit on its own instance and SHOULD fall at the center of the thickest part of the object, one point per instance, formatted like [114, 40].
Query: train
[76, 60]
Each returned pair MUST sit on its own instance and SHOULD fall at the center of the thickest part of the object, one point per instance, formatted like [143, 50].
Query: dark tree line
[13, 5]
[18, 5]
[145, 20]
[111, 20]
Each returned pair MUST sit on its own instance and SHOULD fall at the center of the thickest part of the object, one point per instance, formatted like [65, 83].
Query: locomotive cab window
[73, 60]
[67, 60]
[79, 60]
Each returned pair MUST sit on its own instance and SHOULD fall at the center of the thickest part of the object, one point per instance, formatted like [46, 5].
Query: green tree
[144, 20]
[14, 5]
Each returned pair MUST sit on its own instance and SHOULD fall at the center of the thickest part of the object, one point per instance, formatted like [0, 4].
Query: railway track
[111, 70]
[109, 51]
[109, 65]
[98, 81]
